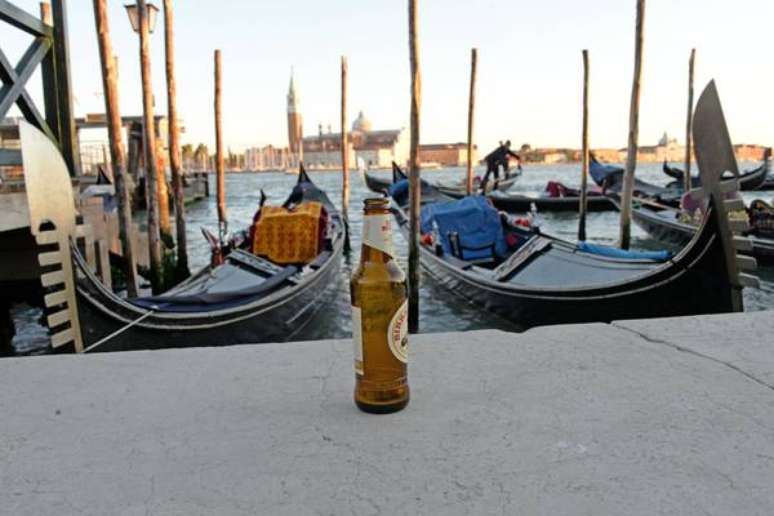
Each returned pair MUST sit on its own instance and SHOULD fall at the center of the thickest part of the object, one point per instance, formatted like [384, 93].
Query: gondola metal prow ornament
[714, 156]
[50, 201]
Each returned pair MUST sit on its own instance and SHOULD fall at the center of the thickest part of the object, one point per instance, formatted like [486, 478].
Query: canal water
[440, 309]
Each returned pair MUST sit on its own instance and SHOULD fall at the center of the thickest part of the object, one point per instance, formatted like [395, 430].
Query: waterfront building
[323, 151]
[447, 154]
[745, 152]
[374, 148]
[667, 149]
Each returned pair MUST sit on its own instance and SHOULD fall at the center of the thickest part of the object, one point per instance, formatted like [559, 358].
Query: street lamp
[134, 16]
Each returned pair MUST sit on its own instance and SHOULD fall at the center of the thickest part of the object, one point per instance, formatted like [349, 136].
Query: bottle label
[357, 338]
[397, 333]
[377, 233]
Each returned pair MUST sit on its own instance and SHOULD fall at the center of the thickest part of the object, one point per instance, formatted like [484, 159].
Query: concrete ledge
[586, 419]
[742, 341]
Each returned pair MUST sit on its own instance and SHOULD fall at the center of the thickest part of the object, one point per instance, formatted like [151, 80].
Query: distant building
[447, 154]
[295, 120]
[667, 150]
[606, 155]
[549, 155]
[746, 152]
[324, 150]
[376, 149]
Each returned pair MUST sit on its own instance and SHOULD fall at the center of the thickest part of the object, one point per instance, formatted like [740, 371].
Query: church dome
[361, 124]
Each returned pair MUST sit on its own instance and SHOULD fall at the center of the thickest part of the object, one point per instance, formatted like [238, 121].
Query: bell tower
[295, 123]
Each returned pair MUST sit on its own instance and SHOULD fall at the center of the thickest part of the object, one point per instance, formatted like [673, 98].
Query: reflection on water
[440, 310]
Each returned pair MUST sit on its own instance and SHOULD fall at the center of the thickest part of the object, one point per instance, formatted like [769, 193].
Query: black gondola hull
[281, 317]
[377, 184]
[751, 180]
[279, 313]
[460, 191]
[679, 234]
[522, 203]
[693, 283]
[526, 311]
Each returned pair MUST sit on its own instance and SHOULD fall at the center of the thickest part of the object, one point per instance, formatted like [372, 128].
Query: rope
[121, 330]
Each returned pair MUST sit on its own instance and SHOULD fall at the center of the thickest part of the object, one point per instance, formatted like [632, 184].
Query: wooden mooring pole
[415, 193]
[181, 267]
[344, 152]
[689, 124]
[471, 116]
[634, 128]
[115, 134]
[165, 225]
[66, 127]
[149, 144]
[219, 164]
[585, 151]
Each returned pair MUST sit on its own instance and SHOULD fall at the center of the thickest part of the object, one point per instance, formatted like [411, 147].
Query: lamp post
[133, 10]
[142, 17]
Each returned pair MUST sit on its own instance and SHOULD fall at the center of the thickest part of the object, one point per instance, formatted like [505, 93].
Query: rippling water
[440, 310]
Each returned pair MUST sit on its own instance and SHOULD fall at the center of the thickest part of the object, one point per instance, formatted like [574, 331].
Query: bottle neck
[377, 236]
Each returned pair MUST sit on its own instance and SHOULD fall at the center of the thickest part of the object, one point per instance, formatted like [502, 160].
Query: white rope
[120, 330]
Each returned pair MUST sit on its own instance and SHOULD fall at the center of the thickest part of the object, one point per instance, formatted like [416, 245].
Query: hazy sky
[530, 70]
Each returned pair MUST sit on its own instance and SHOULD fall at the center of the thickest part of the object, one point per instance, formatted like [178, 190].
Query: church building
[369, 147]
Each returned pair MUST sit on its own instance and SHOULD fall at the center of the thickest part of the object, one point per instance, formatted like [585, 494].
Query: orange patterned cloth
[285, 236]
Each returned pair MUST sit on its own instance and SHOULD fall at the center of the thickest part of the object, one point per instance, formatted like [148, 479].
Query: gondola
[400, 178]
[459, 190]
[671, 226]
[247, 299]
[610, 178]
[380, 184]
[550, 281]
[519, 203]
[748, 181]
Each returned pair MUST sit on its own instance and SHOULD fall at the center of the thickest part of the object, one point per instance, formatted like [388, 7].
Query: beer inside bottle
[379, 317]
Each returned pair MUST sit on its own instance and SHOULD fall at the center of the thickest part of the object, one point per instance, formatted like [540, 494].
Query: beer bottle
[379, 317]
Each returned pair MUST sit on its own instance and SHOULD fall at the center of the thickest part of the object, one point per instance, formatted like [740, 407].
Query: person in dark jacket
[501, 156]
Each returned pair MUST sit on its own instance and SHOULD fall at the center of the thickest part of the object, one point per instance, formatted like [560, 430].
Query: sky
[529, 77]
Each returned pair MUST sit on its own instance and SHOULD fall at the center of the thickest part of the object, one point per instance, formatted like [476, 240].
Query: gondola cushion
[623, 254]
[762, 218]
[476, 222]
[287, 236]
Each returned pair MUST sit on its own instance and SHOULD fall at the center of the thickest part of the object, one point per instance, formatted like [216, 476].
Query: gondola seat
[228, 285]
[762, 218]
[290, 236]
[623, 254]
[469, 229]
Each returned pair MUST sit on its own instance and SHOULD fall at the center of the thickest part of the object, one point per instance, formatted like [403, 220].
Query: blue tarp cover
[474, 219]
[614, 252]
